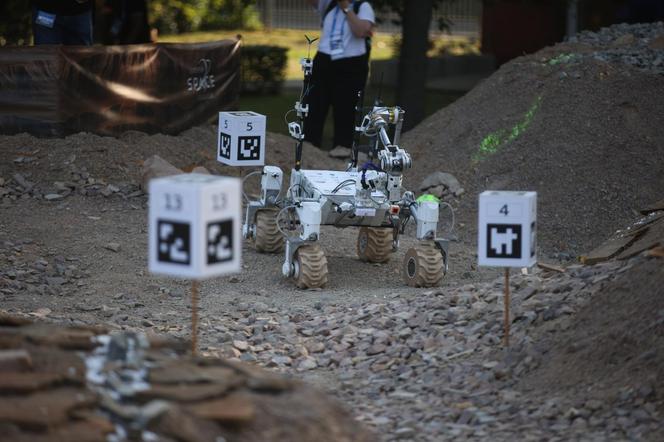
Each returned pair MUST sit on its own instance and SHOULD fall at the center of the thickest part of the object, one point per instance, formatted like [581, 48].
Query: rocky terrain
[579, 122]
[82, 384]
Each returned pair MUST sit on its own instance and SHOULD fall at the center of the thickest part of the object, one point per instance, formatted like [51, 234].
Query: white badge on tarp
[45, 19]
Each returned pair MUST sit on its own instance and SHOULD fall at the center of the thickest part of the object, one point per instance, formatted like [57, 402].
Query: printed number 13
[173, 202]
[219, 201]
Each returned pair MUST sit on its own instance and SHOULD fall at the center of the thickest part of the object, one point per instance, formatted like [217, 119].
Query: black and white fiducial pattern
[173, 242]
[224, 145]
[503, 241]
[249, 147]
[219, 241]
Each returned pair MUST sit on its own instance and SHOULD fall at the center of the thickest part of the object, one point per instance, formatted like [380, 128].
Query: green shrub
[263, 68]
[231, 14]
[179, 16]
[15, 26]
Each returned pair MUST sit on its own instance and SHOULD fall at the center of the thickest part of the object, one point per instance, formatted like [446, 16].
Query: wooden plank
[645, 224]
[655, 207]
[608, 250]
[657, 252]
[550, 267]
[652, 238]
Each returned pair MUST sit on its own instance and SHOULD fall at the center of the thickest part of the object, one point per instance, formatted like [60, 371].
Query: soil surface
[579, 123]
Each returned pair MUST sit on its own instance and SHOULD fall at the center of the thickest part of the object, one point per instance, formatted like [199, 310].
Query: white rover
[369, 196]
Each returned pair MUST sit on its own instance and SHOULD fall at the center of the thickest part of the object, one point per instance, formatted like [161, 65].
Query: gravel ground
[415, 364]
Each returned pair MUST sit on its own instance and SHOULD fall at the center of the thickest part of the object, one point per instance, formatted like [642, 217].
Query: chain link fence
[463, 17]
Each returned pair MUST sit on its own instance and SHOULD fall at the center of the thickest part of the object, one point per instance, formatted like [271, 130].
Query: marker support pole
[194, 317]
[506, 338]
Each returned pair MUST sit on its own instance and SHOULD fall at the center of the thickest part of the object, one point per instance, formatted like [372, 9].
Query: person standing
[66, 22]
[340, 67]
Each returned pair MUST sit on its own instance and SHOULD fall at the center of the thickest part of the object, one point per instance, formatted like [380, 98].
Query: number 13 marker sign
[194, 226]
[506, 229]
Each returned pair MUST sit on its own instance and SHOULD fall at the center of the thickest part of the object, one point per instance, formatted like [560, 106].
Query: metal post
[507, 307]
[572, 18]
[194, 317]
[269, 14]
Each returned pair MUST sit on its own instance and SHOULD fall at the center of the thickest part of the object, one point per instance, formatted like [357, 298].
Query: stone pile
[80, 384]
[432, 366]
[77, 181]
[27, 270]
[638, 45]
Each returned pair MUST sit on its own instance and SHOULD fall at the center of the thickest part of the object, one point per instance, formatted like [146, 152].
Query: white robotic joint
[295, 130]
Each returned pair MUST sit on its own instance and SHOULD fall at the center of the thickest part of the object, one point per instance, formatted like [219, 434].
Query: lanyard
[334, 22]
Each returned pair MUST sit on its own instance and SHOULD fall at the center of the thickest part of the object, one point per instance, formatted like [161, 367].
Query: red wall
[511, 28]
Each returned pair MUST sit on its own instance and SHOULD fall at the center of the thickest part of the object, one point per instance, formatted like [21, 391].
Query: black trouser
[335, 83]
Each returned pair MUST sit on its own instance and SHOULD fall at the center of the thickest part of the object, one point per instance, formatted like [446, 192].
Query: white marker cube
[194, 226]
[241, 138]
[507, 229]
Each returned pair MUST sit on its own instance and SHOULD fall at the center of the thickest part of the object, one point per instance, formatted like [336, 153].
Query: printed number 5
[225, 124]
[504, 210]
[250, 127]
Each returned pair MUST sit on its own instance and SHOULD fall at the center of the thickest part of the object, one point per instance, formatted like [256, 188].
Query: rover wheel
[310, 267]
[268, 238]
[423, 266]
[374, 244]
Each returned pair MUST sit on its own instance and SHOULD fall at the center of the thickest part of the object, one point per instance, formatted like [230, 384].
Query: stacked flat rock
[81, 384]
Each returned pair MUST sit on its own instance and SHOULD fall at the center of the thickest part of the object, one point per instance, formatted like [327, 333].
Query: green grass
[293, 39]
[276, 106]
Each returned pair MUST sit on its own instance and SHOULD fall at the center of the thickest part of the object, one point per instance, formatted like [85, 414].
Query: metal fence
[463, 16]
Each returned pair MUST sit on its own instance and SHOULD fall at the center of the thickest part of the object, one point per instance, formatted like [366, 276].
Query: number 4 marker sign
[507, 229]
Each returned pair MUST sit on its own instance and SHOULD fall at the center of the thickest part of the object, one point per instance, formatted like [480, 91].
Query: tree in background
[178, 16]
[15, 27]
[415, 18]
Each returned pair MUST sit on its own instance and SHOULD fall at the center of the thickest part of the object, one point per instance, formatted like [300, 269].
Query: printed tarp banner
[56, 90]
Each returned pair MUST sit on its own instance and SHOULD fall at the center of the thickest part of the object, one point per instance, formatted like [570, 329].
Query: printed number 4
[504, 210]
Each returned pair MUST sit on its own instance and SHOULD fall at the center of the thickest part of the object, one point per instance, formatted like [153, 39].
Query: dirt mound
[83, 156]
[80, 384]
[580, 123]
[612, 351]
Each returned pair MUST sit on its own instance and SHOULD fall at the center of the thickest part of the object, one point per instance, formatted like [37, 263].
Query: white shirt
[337, 33]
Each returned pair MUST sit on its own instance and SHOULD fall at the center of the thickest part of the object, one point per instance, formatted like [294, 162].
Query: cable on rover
[343, 184]
[279, 216]
[453, 216]
[244, 195]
